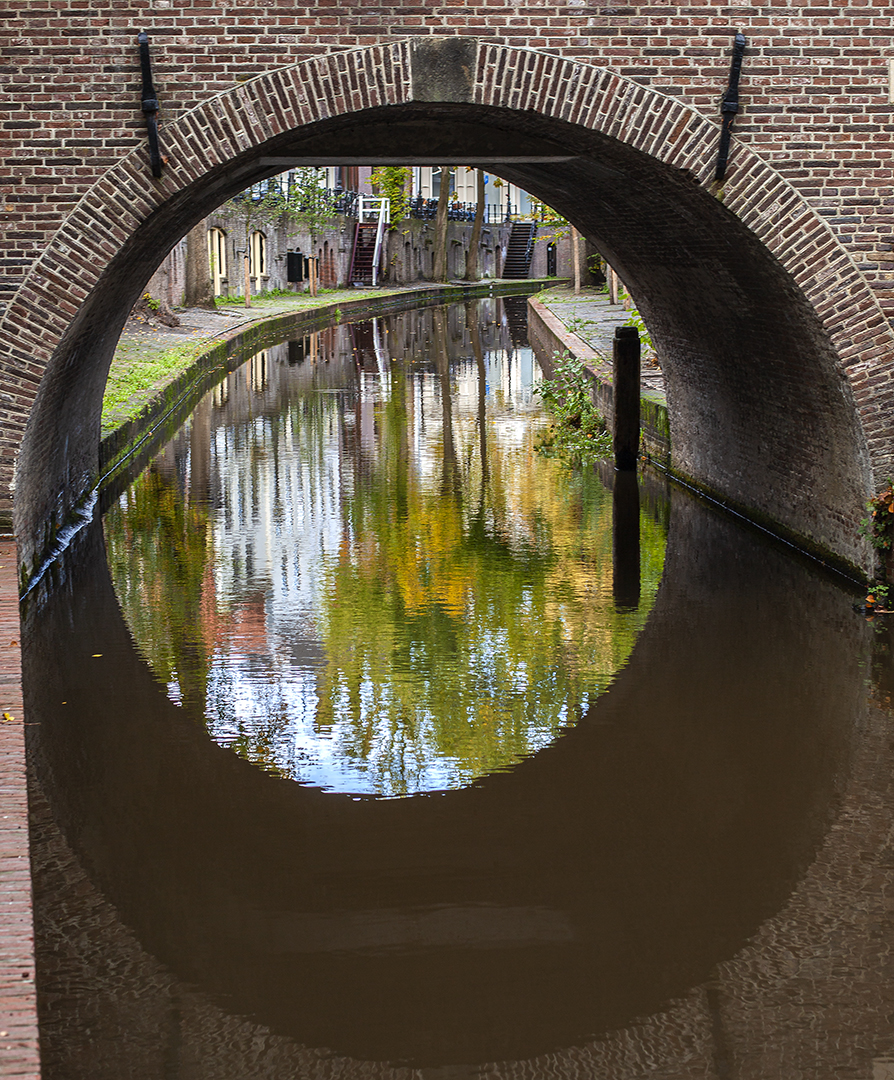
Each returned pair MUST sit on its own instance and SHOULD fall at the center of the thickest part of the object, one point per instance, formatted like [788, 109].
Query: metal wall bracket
[729, 106]
[150, 104]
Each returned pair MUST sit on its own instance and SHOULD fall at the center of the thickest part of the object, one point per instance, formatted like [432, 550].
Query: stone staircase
[519, 250]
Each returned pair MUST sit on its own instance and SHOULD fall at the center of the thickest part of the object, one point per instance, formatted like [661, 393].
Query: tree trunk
[439, 264]
[199, 289]
[472, 271]
[575, 258]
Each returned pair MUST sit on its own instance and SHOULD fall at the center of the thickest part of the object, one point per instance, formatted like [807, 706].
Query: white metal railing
[375, 208]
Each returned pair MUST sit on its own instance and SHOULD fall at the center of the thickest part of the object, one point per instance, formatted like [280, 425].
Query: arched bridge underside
[774, 346]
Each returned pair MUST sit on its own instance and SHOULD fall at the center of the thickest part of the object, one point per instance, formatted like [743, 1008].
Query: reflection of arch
[519, 916]
[217, 258]
[769, 332]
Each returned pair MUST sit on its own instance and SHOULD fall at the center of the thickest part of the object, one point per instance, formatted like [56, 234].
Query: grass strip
[141, 370]
[138, 374]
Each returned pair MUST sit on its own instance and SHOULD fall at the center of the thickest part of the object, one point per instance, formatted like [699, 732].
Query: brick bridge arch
[773, 343]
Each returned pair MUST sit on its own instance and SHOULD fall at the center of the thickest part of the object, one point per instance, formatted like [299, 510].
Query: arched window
[217, 258]
[258, 262]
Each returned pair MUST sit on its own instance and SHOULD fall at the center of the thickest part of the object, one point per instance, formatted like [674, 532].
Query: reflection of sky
[274, 705]
[280, 516]
[279, 519]
[510, 380]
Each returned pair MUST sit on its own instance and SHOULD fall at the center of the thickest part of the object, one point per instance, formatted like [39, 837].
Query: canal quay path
[151, 359]
[583, 324]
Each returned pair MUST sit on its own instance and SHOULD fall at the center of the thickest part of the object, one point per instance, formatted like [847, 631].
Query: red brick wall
[806, 183]
[814, 85]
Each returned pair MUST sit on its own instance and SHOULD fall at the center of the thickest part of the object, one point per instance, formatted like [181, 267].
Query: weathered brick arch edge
[234, 122]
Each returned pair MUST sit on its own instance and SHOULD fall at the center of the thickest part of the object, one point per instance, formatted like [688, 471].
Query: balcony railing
[494, 213]
[348, 203]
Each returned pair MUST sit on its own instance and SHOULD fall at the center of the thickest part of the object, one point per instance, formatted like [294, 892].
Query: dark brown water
[682, 871]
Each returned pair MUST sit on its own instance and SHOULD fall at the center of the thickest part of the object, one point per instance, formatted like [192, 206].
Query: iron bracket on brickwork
[729, 106]
[150, 104]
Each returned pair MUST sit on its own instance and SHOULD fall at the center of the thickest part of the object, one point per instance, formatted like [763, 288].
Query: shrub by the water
[577, 435]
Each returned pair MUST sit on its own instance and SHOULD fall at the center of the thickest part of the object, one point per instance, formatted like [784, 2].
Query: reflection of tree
[159, 554]
[481, 369]
[459, 640]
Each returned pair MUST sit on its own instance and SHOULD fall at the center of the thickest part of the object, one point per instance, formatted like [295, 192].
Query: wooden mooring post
[625, 397]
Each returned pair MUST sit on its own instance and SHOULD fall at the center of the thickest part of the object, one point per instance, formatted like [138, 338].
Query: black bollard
[625, 393]
[625, 540]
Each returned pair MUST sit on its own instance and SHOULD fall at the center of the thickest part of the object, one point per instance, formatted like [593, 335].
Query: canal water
[366, 741]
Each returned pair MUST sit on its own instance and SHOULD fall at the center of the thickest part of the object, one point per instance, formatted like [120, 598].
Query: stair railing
[354, 251]
[529, 250]
[378, 209]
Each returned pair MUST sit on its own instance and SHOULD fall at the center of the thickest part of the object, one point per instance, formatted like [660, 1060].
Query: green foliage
[306, 203]
[577, 435]
[264, 294]
[151, 302]
[637, 320]
[158, 546]
[578, 325]
[546, 214]
[551, 224]
[255, 208]
[135, 377]
[879, 526]
[391, 182]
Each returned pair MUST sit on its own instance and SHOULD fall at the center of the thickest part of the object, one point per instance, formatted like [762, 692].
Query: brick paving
[18, 1000]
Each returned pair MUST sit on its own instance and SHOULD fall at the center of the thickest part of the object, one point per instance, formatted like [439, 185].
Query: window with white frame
[258, 259]
[217, 258]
